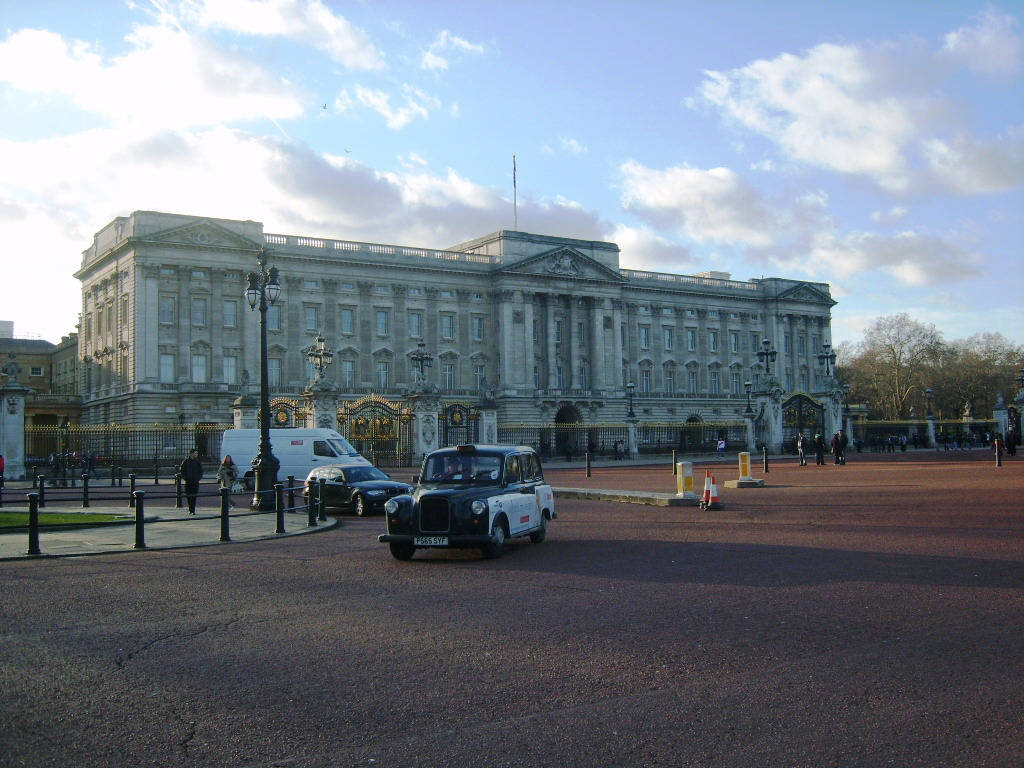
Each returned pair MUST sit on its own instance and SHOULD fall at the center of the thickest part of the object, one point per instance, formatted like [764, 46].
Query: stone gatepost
[425, 432]
[631, 437]
[322, 401]
[1001, 414]
[488, 428]
[12, 428]
[770, 405]
[246, 412]
[749, 419]
[931, 430]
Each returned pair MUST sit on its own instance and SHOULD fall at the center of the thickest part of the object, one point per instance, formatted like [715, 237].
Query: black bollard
[120, 477]
[321, 500]
[291, 493]
[156, 473]
[675, 458]
[131, 490]
[588, 463]
[85, 491]
[279, 507]
[764, 456]
[140, 520]
[33, 524]
[41, 487]
[177, 490]
[311, 504]
[113, 471]
[225, 505]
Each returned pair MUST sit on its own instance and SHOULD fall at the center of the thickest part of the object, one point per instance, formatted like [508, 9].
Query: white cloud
[894, 215]
[641, 248]
[970, 166]
[573, 147]
[417, 104]
[309, 22]
[826, 109]
[446, 41]
[990, 47]
[708, 206]
[176, 80]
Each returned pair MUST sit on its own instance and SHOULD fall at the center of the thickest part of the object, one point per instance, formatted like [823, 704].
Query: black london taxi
[355, 487]
[471, 496]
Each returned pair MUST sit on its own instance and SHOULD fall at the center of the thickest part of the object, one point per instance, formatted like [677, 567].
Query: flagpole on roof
[515, 199]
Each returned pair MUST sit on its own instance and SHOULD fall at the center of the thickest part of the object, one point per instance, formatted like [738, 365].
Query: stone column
[488, 425]
[12, 428]
[528, 345]
[597, 372]
[571, 346]
[931, 429]
[616, 381]
[631, 438]
[505, 340]
[551, 301]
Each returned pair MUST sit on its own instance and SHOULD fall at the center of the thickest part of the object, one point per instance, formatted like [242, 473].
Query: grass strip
[15, 519]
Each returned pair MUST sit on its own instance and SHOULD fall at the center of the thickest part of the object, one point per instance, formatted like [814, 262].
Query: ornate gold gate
[285, 412]
[381, 430]
[459, 424]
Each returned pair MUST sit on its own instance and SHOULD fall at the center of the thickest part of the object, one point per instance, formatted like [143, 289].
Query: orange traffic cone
[713, 502]
[705, 500]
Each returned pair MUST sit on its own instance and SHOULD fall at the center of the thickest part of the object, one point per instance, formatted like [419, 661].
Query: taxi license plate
[430, 541]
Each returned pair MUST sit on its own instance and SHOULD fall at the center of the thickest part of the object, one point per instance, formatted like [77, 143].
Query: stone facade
[544, 326]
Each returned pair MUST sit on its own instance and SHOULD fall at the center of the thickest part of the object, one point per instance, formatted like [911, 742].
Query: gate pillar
[1001, 414]
[834, 413]
[931, 430]
[12, 427]
[322, 401]
[771, 401]
[488, 425]
[425, 433]
[245, 412]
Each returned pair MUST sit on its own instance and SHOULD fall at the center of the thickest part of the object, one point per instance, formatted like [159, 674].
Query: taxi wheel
[401, 551]
[496, 545]
[539, 535]
[360, 506]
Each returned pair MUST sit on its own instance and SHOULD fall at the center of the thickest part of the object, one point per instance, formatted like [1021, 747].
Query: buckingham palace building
[544, 328]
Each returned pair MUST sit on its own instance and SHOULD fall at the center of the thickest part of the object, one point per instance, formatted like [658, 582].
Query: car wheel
[496, 545]
[541, 533]
[400, 550]
[360, 506]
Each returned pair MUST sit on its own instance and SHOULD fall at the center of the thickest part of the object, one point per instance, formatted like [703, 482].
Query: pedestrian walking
[191, 473]
[819, 450]
[801, 448]
[997, 447]
[839, 444]
[721, 449]
[227, 474]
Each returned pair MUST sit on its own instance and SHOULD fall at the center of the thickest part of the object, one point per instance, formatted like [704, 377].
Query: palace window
[645, 337]
[558, 330]
[383, 374]
[382, 322]
[199, 368]
[478, 376]
[478, 328]
[166, 310]
[348, 321]
[416, 324]
[274, 371]
[230, 313]
[447, 326]
[691, 382]
[713, 382]
[198, 311]
[691, 340]
[559, 378]
[734, 383]
[274, 317]
[312, 318]
[670, 381]
[348, 374]
[448, 376]
[712, 341]
[166, 369]
[667, 339]
[230, 370]
[734, 341]
[645, 379]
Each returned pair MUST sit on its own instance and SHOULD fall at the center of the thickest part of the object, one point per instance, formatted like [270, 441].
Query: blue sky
[875, 146]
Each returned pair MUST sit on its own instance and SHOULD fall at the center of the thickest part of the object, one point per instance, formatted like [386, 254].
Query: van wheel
[541, 533]
[496, 545]
[401, 551]
[360, 506]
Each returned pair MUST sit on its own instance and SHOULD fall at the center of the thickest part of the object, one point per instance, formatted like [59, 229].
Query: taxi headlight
[479, 507]
[391, 506]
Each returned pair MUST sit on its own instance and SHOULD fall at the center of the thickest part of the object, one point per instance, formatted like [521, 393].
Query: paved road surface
[871, 615]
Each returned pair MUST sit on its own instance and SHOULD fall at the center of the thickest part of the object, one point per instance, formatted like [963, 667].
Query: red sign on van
[296, 442]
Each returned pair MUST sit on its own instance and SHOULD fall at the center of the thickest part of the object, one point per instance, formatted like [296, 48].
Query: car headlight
[479, 507]
[391, 506]
[376, 492]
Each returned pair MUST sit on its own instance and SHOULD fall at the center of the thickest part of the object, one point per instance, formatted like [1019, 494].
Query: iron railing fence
[879, 435]
[604, 439]
[121, 445]
[696, 437]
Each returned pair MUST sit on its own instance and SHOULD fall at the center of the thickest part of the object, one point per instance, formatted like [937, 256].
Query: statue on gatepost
[425, 400]
[487, 408]
[321, 395]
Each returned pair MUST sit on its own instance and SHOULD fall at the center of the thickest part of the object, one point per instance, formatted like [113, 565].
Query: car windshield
[359, 474]
[342, 447]
[462, 468]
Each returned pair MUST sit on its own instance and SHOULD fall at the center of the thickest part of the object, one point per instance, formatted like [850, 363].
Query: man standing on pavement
[191, 473]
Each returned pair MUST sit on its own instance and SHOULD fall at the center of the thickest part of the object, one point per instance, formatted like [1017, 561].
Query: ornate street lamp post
[319, 356]
[767, 356]
[264, 289]
[630, 387]
[750, 411]
[827, 358]
[928, 404]
[422, 360]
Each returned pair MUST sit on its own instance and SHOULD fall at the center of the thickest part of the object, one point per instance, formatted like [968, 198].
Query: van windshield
[342, 447]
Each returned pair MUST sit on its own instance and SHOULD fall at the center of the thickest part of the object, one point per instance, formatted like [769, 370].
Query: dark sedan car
[359, 488]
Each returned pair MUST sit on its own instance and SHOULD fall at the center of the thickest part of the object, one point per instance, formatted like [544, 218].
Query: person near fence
[191, 473]
[801, 448]
[227, 474]
[1, 465]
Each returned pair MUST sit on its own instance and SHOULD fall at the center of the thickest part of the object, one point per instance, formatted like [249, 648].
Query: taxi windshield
[462, 468]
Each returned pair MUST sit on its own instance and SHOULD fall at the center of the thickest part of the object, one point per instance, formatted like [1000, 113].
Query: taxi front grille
[435, 515]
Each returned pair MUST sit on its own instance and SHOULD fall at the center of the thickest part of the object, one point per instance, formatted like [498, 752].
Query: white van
[298, 450]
